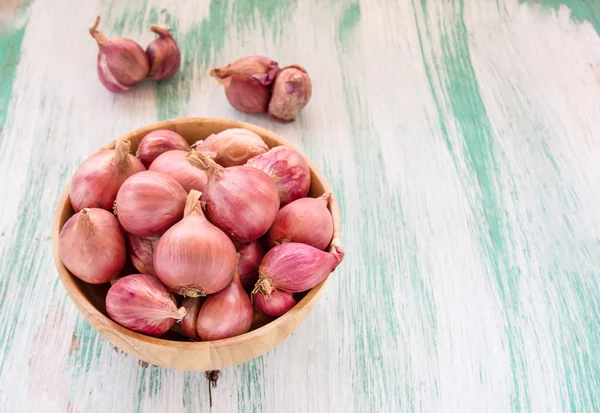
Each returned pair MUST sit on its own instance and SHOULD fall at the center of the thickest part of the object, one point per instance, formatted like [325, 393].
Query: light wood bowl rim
[97, 319]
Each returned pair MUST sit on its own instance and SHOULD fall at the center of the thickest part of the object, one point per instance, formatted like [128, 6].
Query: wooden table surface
[462, 140]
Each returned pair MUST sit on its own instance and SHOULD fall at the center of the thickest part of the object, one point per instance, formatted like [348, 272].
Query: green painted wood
[461, 141]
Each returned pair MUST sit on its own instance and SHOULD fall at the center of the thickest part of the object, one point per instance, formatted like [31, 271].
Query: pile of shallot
[222, 234]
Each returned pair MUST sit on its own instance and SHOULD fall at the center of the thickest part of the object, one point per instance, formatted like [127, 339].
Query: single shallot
[141, 303]
[225, 314]
[275, 304]
[288, 169]
[97, 180]
[192, 307]
[194, 258]
[306, 220]
[149, 202]
[163, 54]
[251, 254]
[292, 89]
[240, 200]
[158, 142]
[141, 250]
[296, 267]
[91, 246]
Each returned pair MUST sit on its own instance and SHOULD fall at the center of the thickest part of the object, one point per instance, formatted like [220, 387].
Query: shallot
[296, 267]
[275, 304]
[91, 246]
[97, 180]
[122, 63]
[192, 307]
[158, 142]
[148, 203]
[240, 200]
[288, 169]
[292, 89]
[141, 303]
[247, 82]
[163, 54]
[141, 250]
[194, 258]
[225, 314]
[306, 220]
[233, 146]
[260, 319]
[251, 254]
[182, 167]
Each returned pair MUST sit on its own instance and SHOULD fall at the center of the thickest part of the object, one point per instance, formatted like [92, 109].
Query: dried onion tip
[122, 63]
[97, 180]
[232, 146]
[141, 303]
[247, 82]
[194, 258]
[91, 246]
[163, 54]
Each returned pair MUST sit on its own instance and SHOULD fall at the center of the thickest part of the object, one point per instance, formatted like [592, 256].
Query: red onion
[232, 146]
[260, 319]
[306, 220]
[97, 180]
[192, 307]
[240, 200]
[180, 165]
[158, 142]
[141, 303]
[275, 304]
[225, 314]
[296, 267]
[251, 254]
[292, 89]
[91, 246]
[141, 250]
[247, 82]
[194, 258]
[149, 202]
[289, 171]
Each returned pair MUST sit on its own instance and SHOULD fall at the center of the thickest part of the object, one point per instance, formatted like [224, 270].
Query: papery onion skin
[240, 200]
[194, 258]
[305, 220]
[192, 307]
[122, 63]
[141, 303]
[149, 202]
[296, 267]
[292, 89]
[163, 54]
[233, 147]
[158, 142]
[225, 314]
[288, 169]
[247, 82]
[177, 165]
[275, 304]
[91, 246]
[251, 255]
[141, 250]
[97, 180]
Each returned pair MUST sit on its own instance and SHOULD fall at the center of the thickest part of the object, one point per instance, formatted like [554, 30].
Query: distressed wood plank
[461, 140]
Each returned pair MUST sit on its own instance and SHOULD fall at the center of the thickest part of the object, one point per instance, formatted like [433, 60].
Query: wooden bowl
[170, 353]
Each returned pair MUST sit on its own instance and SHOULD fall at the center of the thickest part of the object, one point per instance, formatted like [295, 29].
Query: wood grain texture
[461, 139]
